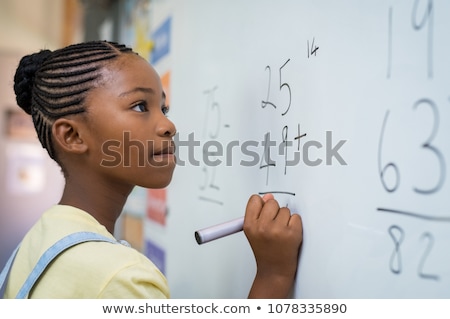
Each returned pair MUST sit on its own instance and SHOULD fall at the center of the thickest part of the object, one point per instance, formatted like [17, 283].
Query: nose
[166, 128]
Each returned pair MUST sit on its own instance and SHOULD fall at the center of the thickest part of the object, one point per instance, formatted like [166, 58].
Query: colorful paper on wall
[25, 168]
[132, 231]
[157, 205]
[156, 254]
[165, 81]
[162, 38]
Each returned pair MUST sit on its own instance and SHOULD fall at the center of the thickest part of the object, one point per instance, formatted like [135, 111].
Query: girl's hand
[275, 237]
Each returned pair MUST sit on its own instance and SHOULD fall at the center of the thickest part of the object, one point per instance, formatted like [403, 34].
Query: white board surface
[369, 84]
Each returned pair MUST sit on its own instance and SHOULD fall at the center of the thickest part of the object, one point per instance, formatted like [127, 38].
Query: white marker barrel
[218, 231]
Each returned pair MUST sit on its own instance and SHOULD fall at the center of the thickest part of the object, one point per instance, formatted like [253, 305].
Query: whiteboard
[368, 82]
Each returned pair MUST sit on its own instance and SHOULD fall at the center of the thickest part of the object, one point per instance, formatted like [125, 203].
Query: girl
[81, 97]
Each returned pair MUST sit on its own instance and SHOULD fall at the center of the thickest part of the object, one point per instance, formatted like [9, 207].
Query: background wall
[26, 25]
[30, 181]
[368, 84]
[364, 81]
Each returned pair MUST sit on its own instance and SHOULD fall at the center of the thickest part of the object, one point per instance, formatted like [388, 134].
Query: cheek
[106, 146]
[129, 149]
[110, 154]
[123, 151]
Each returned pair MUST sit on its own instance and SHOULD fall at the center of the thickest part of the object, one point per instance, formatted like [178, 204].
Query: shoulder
[135, 277]
[87, 270]
[106, 270]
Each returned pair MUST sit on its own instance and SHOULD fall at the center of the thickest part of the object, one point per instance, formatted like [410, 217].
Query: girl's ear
[66, 134]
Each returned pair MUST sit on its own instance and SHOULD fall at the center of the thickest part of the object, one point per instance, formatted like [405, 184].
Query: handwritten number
[284, 135]
[209, 178]
[427, 145]
[209, 183]
[427, 19]
[284, 84]
[419, 21]
[397, 235]
[429, 237]
[205, 180]
[212, 108]
[311, 50]
[284, 92]
[211, 130]
[213, 177]
[426, 16]
[267, 102]
[393, 166]
[266, 161]
[422, 20]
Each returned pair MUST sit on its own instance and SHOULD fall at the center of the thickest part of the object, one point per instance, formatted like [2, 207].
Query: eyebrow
[138, 89]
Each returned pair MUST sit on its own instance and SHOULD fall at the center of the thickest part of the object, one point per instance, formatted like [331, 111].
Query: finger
[295, 222]
[283, 216]
[269, 210]
[254, 206]
[266, 197]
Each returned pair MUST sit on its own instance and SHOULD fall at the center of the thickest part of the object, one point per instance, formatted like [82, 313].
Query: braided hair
[53, 84]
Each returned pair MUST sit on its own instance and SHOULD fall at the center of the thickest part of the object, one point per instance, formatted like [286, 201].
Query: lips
[168, 150]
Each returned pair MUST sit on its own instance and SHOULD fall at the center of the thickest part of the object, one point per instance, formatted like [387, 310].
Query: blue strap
[50, 254]
[5, 272]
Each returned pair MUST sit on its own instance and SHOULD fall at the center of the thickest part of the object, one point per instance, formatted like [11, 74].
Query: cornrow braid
[50, 85]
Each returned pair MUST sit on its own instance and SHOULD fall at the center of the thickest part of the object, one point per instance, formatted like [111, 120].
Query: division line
[211, 200]
[277, 192]
[415, 215]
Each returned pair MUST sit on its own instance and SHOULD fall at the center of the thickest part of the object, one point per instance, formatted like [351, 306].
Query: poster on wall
[25, 168]
[157, 205]
[165, 81]
[156, 254]
[135, 28]
[132, 231]
[161, 38]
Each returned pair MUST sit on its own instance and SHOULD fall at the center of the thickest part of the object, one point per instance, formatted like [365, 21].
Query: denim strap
[48, 256]
[5, 272]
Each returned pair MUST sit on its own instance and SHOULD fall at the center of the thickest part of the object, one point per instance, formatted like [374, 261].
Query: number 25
[282, 85]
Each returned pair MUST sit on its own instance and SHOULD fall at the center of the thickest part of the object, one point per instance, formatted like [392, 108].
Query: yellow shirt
[88, 270]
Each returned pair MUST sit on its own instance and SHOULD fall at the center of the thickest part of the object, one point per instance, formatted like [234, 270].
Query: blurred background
[30, 181]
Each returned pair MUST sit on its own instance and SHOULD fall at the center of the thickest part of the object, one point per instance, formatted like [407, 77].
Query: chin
[157, 181]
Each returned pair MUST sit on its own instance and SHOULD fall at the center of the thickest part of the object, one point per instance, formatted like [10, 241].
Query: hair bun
[24, 77]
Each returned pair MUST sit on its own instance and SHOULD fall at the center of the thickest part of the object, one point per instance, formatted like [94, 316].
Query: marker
[218, 231]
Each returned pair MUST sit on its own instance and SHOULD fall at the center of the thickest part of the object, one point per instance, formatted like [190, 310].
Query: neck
[101, 199]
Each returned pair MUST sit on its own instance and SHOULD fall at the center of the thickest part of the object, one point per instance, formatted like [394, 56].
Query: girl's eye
[165, 109]
[140, 107]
